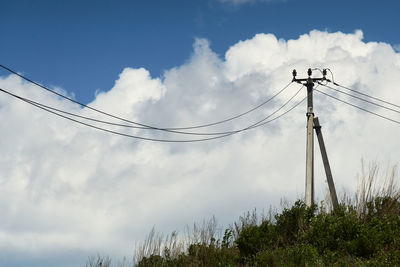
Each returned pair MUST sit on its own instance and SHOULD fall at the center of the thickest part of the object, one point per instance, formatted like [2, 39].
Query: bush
[300, 236]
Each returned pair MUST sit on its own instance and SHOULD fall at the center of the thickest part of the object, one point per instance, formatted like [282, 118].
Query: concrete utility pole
[312, 122]
[310, 143]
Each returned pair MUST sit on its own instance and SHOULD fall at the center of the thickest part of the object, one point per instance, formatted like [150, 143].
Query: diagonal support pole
[327, 167]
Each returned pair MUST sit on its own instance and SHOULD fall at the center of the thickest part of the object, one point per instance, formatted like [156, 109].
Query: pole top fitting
[309, 72]
[324, 72]
[294, 74]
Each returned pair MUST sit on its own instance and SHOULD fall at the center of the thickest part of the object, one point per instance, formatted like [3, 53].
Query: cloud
[68, 188]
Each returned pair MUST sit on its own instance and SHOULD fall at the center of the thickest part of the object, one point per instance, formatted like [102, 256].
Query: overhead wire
[318, 70]
[358, 107]
[132, 126]
[262, 122]
[257, 124]
[89, 118]
[363, 94]
[359, 98]
[107, 130]
[142, 125]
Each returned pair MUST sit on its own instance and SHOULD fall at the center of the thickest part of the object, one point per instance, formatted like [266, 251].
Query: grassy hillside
[364, 231]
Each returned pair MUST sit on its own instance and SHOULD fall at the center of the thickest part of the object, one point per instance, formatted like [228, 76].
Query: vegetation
[364, 231]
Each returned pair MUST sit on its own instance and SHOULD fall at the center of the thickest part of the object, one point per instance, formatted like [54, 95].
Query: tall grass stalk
[374, 184]
[175, 244]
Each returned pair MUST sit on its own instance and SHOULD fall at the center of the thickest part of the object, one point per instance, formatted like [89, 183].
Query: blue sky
[68, 192]
[83, 45]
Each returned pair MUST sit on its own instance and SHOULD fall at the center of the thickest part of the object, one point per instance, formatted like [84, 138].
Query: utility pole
[312, 122]
[310, 143]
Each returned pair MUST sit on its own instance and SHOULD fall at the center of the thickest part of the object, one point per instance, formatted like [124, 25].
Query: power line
[107, 130]
[237, 116]
[263, 122]
[260, 123]
[145, 126]
[89, 118]
[355, 106]
[281, 115]
[132, 126]
[359, 98]
[363, 94]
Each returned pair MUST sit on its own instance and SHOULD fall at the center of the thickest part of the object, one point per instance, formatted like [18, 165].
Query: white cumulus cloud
[65, 187]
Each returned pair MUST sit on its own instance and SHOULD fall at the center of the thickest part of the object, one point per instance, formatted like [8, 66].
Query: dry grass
[175, 243]
[374, 183]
